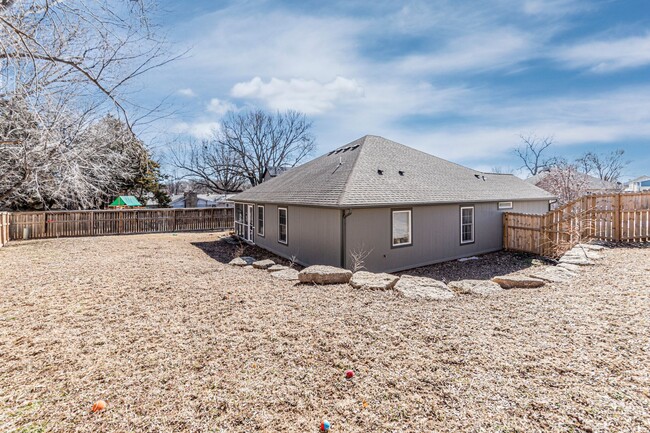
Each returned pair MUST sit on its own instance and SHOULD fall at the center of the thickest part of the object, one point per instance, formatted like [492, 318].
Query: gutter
[345, 213]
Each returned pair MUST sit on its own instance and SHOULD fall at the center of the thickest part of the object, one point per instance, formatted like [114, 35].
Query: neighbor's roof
[349, 177]
[126, 200]
[639, 179]
[591, 183]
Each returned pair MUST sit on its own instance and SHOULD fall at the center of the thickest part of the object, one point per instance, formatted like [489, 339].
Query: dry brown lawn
[176, 341]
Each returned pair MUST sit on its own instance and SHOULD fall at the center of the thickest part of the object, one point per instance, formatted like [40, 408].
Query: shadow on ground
[484, 267]
[226, 248]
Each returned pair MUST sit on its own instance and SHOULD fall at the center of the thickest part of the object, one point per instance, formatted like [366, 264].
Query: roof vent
[401, 172]
[380, 172]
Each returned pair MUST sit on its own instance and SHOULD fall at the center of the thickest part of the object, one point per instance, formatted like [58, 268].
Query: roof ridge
[344, 190]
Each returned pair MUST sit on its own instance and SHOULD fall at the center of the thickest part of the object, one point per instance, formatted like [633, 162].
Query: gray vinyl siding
[314, 234]
[436, 234]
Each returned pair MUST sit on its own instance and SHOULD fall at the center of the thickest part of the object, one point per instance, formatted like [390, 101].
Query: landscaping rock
[423, 288]
[516, 281]
[552, 274]
[475, 287]
[263, 264]
[242, 261]
[276, 268]
[576, 260]
[586, 254]
[592, 247]
[369, 280]
[569, 267]
[286, 274]
[320, 274]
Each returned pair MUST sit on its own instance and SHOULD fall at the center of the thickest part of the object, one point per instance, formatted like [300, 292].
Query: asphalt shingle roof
[349, 177]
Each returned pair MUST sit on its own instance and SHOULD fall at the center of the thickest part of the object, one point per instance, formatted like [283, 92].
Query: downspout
[344, 214]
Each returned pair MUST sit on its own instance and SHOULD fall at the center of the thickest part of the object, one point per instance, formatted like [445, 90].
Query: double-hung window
[467, 225]
[283, 224]
[260, 220]
[402, 228]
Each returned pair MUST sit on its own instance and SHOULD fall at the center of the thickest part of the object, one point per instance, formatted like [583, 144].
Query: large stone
[321, 274]
[592, 247]
[576, 260]
[552, 274]
[581, 253]
[475, 287]
[369, 280]
[263, 264]
[423, 288]
[286, 274]
[242, 261]
[517, 281]
[569, 267]
[276, 268]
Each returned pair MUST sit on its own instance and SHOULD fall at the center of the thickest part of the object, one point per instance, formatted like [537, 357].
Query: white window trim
[261, 233]
[392, 229]
[504, 205]
[286, 241]
[462, 242]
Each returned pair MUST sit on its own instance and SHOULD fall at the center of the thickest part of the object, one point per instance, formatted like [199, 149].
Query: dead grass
[176, 341]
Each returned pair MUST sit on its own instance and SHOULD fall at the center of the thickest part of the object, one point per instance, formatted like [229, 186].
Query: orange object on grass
[99, 405]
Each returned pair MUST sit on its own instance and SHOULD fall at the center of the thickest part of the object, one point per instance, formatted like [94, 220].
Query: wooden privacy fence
[623, 217]
[41, 225]
[4, 228]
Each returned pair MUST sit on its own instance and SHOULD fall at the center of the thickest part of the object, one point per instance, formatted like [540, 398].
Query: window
[505, 205]
[282, 225]
[466, 225]
[401, 228]
[260, 220]
[244, 218]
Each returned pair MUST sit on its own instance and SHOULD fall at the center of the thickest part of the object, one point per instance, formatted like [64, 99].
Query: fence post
[505, 230]
[617, 218]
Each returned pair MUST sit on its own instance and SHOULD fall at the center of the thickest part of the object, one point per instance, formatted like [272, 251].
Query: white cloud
[198, 129]
[607, 55]
[220, 107]
[187, 92]
[553, 7]
[308, 96]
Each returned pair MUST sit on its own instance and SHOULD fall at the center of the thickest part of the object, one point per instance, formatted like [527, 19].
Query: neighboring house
[193, 200]
[585, 183]
[271, 172]
[639, 184]
[403, 207]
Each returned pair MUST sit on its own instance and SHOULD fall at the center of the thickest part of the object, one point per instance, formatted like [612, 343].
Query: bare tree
[209, 164]
[607, 167]
[531, 152]
[63, 66]
[243, 147]
[259, 140]
[565, 181]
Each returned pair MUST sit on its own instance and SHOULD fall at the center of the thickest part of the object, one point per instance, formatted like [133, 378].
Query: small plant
[292, 261]
[358, 257]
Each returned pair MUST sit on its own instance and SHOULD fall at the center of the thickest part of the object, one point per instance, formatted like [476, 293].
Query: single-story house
[194, 200]
[639, 184]
[586, 183]
[399, 207]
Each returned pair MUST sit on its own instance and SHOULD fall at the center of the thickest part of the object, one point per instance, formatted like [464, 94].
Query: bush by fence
[623, 217]
[41, 225]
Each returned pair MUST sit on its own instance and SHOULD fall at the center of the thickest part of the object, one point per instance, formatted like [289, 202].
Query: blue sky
[458, 79]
